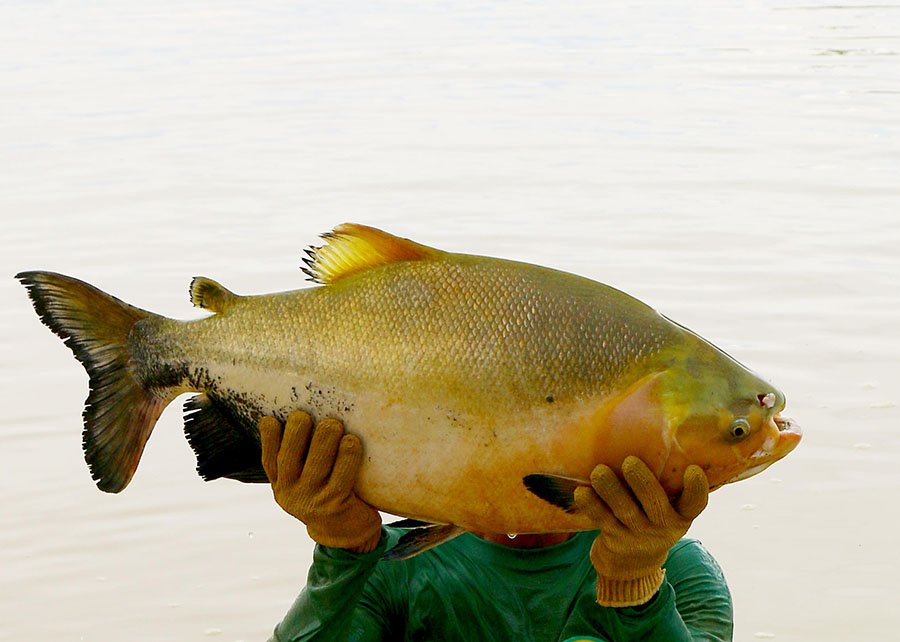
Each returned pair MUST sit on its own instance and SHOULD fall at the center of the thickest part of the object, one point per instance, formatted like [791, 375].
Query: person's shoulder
[686, 546]
[690, 557]
[689, 548]
[702, 595]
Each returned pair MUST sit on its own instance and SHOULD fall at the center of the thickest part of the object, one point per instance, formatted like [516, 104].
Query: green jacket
[470, 589]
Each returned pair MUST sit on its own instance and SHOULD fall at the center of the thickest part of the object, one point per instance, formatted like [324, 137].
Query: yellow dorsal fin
[351, 248]
[209, 295]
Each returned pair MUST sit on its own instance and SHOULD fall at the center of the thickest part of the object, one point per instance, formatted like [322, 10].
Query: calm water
[736, 165]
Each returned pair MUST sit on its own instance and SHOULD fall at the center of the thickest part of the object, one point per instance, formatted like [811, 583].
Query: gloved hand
[316, 485]
[637, 528]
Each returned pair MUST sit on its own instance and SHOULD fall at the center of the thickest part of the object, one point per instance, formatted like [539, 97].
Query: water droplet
[862, 446]
[250, 535]
[511, 535]
[212, 631]
[748, 507]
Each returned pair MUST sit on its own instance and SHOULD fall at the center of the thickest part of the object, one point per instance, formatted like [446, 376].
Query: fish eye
[740, 428]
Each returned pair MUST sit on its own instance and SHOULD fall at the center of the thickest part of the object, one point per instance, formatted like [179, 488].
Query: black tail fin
[120, 410]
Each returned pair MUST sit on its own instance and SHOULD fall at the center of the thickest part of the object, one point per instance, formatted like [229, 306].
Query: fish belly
[427, 462]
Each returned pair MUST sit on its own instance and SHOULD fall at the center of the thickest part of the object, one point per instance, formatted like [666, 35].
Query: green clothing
[470, 589]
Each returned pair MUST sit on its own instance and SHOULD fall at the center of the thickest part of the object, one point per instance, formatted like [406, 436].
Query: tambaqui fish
[482, 389]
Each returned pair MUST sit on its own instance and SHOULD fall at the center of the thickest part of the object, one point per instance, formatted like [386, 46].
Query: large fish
[484, 390]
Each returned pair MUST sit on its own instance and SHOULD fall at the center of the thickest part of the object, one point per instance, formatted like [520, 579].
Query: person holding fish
[492, 397]
[636, 579]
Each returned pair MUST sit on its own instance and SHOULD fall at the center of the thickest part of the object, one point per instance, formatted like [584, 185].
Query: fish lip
[786, 425]
[750, 472]
[789, 435]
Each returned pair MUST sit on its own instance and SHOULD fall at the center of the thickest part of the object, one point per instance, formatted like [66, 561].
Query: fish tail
[120, 410]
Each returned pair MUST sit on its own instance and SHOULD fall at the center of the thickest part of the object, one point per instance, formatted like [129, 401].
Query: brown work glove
[316, 485]
[637, 528]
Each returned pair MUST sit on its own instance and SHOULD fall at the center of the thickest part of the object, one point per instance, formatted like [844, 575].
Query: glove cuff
[358, 532]
[370, 544]
[632, 592]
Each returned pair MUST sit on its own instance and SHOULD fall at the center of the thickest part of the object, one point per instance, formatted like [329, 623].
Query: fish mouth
[786, 436]
[787, 426]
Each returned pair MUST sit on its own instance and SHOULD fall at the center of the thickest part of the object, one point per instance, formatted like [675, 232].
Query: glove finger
[647, 489]
[270, 432]
[587, 503]
[623, 505]
[297, 429]
[346, 466]
[322, 452]
[696, 493]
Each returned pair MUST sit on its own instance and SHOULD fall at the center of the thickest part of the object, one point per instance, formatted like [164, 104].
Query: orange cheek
[744, 450]
[631, 423]
[700, 442]
[703, 443]
[636, 426]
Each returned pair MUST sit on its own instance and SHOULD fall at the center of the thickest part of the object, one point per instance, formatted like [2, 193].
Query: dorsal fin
[209, 295]
[351, 248]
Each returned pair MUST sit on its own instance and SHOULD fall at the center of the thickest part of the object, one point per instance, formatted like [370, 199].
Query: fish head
[715, 414]
[724, 418]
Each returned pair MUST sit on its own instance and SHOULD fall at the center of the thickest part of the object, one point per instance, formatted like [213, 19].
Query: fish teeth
[785, 424]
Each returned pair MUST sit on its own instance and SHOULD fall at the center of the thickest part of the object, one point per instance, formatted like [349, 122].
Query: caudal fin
[120, 411]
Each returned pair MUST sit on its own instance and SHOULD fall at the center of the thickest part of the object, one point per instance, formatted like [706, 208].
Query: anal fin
[223, 445]
[419, 540]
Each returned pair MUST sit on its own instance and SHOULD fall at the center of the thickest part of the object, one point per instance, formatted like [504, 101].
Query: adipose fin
[209, 295]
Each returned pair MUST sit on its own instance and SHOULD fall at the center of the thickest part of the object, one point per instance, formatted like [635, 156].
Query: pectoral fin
[554, 489]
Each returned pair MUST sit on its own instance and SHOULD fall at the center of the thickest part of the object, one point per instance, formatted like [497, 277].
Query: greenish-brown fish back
[120, 410]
